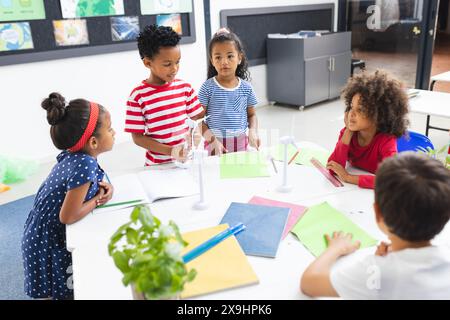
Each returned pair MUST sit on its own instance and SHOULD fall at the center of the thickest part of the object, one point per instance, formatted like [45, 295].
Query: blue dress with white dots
[47, 263]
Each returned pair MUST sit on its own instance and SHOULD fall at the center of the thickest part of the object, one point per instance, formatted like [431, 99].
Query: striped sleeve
[204, 94]
[251, 97]
[193, 106]
[134, 120]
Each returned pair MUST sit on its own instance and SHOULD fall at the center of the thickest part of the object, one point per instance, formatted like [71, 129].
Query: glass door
[393, 35]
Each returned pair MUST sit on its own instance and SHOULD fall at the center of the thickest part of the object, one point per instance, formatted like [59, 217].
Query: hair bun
[55, 105]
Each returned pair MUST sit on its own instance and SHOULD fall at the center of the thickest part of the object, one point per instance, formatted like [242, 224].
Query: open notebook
[149, 186]
[224, 266]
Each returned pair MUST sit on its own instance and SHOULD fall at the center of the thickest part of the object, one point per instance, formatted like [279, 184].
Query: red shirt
[160, 112]
[367, 158]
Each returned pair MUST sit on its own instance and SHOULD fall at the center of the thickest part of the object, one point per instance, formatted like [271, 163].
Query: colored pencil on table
[294, 156]
[107, 205]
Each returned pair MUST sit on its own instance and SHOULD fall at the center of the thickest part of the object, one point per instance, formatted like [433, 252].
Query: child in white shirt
[412, 206]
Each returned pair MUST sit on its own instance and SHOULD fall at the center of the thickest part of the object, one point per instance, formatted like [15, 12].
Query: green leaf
[147, 220]
[135, 214]
[443, 149]
[143, 258]
[119, 233]
[191, 275]
[121, 261]
[128, 278]
[132, 236]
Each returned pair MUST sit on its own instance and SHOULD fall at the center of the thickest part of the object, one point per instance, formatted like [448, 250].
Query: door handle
[330, 64]
[333, 64]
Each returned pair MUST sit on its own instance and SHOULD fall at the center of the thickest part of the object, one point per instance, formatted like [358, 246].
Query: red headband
[92, 123]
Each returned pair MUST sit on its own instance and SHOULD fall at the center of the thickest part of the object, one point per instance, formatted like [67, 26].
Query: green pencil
[119, 203]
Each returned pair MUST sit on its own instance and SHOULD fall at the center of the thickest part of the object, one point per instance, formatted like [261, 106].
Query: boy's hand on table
[342, 243]
[180, 153]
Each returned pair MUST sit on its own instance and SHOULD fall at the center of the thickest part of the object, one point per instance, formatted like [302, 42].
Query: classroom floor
[319, 123]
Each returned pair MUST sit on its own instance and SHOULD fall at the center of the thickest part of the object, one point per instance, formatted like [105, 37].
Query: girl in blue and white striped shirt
[228, 97]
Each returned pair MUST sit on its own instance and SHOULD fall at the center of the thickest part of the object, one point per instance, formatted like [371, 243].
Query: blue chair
[415, 142]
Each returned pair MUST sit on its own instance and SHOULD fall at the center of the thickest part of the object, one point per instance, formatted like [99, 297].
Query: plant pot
[140, 296]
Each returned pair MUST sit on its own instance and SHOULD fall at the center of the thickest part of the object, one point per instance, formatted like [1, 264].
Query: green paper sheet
[304, 155]
[243, 165]
[323, 219]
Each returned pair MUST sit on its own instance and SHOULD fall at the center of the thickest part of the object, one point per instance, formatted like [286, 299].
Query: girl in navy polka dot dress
[74, 187]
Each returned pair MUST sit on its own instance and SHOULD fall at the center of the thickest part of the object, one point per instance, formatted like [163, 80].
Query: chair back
[413, 141]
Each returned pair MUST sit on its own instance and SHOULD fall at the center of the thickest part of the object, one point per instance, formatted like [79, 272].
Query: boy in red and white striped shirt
[158, 107]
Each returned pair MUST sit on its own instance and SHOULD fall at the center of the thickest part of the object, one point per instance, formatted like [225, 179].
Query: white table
[431, 103]
[444, 77]
[96, 277]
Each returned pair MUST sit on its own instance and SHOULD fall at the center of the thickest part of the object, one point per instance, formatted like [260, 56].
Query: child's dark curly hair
[383, 100]
[153, 37]
[224, 35]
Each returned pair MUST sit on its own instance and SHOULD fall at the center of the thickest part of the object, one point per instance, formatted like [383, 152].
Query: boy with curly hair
[412, 206]
[375, 116]
[158, 107]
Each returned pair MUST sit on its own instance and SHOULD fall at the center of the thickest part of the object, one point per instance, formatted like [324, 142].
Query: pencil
[107, 178]
[293, 157]
[119, 203]
[274, 166]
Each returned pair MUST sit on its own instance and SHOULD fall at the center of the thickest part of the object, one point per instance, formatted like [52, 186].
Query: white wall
[258, 73]
[107, 79]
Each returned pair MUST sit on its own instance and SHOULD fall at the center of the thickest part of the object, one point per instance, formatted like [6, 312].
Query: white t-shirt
[422, 273]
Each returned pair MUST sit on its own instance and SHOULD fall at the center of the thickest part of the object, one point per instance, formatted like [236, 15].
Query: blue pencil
[208, 244]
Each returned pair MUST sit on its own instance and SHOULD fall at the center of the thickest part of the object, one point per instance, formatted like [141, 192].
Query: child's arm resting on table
[74, 208]
[315, 281]
[387, 149]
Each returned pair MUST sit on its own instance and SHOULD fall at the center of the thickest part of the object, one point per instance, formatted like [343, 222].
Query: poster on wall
[165, 6]
[91, 8]
[70, 32]
[15, 36]
[17, 10]
[170, 20]
[124, 28]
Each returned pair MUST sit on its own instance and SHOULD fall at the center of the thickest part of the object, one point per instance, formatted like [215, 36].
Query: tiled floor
[319, 123]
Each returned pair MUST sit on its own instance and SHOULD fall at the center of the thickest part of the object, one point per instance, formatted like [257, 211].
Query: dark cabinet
[306, 71]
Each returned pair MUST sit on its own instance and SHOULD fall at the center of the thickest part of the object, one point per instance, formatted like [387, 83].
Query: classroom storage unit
[304, 71]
